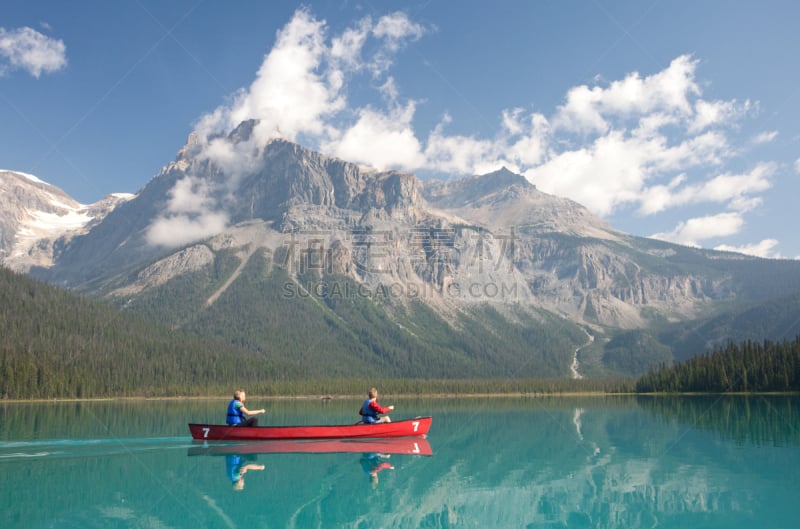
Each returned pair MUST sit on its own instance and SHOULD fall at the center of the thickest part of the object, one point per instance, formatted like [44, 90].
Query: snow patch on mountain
[34, 214]
[37, 225]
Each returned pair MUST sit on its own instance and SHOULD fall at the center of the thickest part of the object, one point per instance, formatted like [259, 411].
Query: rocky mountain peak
[463, 191]
[286, 175]
[33, 214]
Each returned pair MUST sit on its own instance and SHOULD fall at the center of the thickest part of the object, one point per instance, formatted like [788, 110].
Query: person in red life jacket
[238, 415]
[371, 412]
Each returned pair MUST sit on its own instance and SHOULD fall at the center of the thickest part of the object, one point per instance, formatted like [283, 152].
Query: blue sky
[673, 119]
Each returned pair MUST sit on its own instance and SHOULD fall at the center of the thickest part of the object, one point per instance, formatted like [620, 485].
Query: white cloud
[459, 154]
[300, 91]
[191, 214]
[290, 95]
[759, 249]
[396, 29]
[347, 48]
[765, 137]
[178, 230]
[622, 146]
[797, 165]
[381, 140]
[601, 176]
[714, 113]
[692, 231]
[587, 109]
[29, 50]
[190, 195]
[734, 189]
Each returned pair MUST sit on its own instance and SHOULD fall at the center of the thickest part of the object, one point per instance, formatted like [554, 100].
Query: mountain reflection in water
[524, 462]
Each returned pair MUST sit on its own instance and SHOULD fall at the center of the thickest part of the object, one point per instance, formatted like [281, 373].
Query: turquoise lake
[683, 462]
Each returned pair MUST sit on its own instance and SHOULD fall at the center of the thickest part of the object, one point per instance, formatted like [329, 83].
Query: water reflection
[594, 462]
[756, 419]
[237, 465]
[408, 445]
[241, 457]
[373, 463]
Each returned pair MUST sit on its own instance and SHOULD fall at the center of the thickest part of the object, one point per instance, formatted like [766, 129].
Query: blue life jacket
[368, 415]
[233, 466]
[235, 416]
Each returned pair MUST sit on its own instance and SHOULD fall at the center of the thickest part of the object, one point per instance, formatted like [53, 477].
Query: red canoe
[408, 428]
[402, 445]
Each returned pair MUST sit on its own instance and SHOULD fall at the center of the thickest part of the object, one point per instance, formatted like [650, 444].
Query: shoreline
[565, 394]
[251, 397]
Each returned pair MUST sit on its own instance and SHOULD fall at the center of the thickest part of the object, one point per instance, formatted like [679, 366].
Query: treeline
[746, 367]
[54, 344]
[441, 387]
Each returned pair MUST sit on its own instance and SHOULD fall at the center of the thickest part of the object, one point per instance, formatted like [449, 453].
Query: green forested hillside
[747, 367]
[635, 352]
[775, 319]
[325, 324]
[56, 344]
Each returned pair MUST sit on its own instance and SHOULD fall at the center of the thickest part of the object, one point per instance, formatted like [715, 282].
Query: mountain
[345, 269]
[34, 214]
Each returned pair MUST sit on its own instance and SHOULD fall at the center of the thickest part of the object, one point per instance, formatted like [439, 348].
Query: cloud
[712, 113]
[759, 249]
[765, 137]
[692, 231]
[396, 29]
[391, 137]
[27, 49]
[191, 214]
[587, 109]
[300, 91]
[178, 230]
[603, 175]
[393, 31]
[736, 190]
[635, 136]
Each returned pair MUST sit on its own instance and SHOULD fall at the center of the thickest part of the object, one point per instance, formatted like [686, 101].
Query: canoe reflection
[407, 446]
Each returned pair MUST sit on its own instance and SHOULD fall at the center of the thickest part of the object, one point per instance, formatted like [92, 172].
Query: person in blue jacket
[371, 412]
[238, 415]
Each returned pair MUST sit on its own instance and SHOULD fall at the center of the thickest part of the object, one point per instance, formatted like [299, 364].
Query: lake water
[496, 463]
